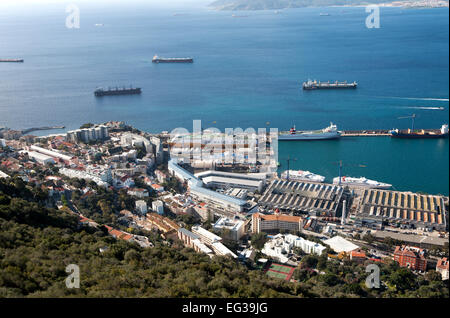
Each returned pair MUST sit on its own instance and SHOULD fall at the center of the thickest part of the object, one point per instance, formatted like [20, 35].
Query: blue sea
[247, 73]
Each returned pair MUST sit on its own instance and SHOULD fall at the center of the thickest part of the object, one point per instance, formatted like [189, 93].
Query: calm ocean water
[247, 72]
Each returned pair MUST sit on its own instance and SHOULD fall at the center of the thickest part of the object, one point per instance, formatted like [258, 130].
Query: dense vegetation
[37, 243]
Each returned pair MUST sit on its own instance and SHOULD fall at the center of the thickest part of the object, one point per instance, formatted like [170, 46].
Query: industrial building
[40, 158]
[340, 244]
[394, 207]
[301, 197]
[51, 153]
[221, 179]
[214, 199]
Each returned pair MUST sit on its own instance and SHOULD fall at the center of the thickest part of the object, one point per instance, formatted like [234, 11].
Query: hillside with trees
[37, 243]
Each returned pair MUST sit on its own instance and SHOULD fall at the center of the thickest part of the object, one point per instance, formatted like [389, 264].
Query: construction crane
[413, 117]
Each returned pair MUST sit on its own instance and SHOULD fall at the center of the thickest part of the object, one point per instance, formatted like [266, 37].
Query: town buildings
[281, 246]
[88, 134]
[231, 229]
[141, 207]
[196, 190]
[442, 267]
[275, 223]
[213, 241]
[411, 257]
[158, 207]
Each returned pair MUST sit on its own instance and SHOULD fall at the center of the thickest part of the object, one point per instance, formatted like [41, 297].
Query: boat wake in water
[419, 98]
[422, 107]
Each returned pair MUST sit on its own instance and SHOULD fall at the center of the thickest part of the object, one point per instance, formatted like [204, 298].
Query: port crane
[413, 117]
[341, 165]
[289, 159]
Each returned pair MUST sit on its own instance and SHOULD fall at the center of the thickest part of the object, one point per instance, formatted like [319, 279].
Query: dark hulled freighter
[116, 91]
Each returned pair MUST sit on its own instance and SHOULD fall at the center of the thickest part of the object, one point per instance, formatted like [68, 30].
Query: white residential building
[141, 207]
[3, 175]
[280, 246]
[137, 192]
[158, 207]
[2, 143]
[72, 173]
[232, 229]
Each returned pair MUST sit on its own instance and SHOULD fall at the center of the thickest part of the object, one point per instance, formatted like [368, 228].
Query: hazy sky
[163, 3]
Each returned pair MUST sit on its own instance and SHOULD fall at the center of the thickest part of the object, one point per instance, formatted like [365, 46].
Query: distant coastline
[254, 5]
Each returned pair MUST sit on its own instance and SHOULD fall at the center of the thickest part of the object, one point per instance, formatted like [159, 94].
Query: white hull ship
[330, 132]
[362, 182]
[300, 175]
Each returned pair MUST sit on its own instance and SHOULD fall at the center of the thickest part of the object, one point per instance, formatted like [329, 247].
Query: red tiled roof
[359, 254]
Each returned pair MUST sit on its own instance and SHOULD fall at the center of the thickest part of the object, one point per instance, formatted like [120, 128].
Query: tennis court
[280, 268]
[280, 271]
[277, 275]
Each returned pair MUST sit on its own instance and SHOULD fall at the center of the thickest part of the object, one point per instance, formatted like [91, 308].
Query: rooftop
[340, 244]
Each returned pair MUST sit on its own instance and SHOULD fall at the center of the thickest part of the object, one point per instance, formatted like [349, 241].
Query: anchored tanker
[11, 60]
[157, 59]
[311, 85]
[300, 175]
[116, 91]
[330, 132]
[362, 182]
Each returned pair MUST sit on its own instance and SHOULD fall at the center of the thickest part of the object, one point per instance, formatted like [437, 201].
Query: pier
[375, 132]
[28, 130]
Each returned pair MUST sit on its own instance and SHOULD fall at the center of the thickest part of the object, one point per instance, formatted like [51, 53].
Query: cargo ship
[418, 134]
[312, 85]
[330, 132]
[300, 175]
[11, 60]
[361, 182]
[116, 91]
[157, 59]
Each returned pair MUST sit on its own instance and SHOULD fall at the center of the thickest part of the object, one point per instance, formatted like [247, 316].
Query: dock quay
[375, 132]
[372, 206]
[317, 199]
[28, 130]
